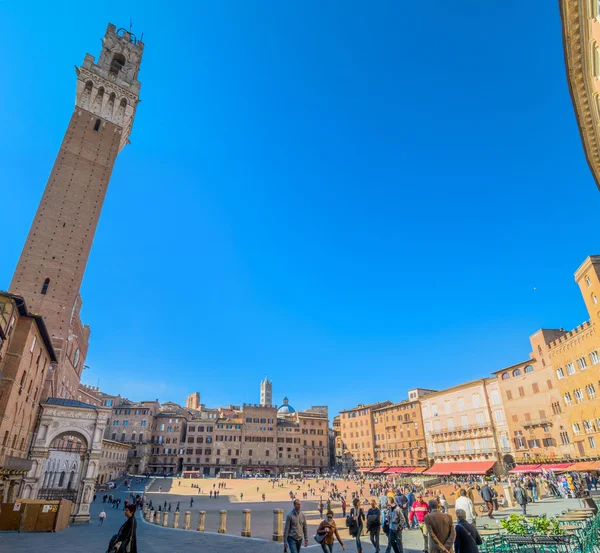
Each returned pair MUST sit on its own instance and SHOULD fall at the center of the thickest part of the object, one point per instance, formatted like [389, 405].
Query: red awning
[585, 466]
[365, 469]
[556, 466]
[419, 470]
[379, 470]
[468, 467]
[403, 470]
[526, 468]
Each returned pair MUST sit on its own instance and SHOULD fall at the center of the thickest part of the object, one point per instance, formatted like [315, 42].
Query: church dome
[286, 408]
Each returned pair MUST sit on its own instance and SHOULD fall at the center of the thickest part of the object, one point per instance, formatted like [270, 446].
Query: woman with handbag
[125, 540]
[327, 533]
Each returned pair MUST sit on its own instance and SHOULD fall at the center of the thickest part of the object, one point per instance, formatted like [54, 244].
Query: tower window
[117, 63]
[45, 286]
[97, 125]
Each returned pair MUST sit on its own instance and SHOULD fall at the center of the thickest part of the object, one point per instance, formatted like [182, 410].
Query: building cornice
[576, 39]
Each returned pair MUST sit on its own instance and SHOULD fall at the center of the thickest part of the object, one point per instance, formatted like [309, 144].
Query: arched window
[529, 369]
[117, 63]
[45, 286]
[61, 480]
[595, 299]
[505, 376]
[517, 372]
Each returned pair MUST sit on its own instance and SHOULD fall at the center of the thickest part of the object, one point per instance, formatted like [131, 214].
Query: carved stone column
[176, 520]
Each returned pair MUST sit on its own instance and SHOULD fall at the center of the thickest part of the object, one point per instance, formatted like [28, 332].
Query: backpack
[352, 524]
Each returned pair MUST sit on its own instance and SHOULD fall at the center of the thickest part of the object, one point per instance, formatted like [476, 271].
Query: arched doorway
[63, 465]
[69, 441]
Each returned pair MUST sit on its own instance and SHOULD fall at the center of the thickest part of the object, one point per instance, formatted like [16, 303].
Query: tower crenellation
[109, 88]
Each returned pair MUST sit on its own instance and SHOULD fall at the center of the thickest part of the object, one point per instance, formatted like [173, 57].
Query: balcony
[462, 432]
[536, 422]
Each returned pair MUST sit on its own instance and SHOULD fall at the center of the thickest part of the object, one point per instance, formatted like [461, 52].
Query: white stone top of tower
[109, 88]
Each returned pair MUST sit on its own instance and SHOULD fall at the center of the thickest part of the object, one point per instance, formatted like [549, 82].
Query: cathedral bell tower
[52, 264]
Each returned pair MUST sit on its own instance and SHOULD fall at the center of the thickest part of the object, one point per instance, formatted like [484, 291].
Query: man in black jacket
[488, 496]
[467, 537]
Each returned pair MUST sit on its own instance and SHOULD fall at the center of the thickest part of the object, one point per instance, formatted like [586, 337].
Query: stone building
[193, 401]
[26, 358]
[581, 40]
[259, 439]
[131, 423]
[113, 461]
[575, 358]
[398, 435]
[465, 428]
[167, 440]
[357, 431]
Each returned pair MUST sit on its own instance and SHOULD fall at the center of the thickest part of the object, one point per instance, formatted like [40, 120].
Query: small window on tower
[117, 63]
[45, 286]
[97, 125]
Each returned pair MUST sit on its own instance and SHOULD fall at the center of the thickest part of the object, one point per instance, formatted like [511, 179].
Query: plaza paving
[155, 539]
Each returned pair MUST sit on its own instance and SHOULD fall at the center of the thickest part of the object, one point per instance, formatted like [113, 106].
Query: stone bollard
[151, 517]
[201, 516]
[508, 496]
[246, 523]
[186, 520]
[277, 524]
[176, 520]
[145, 511]
[158, 518]
[222, 522]
[166, 519]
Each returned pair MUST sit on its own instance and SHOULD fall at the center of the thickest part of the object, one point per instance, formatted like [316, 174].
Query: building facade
[575, 358]
[581, 40]
[113, 461]
[193, 401]
[167, 441]
[399, 438]
[466, 423]
[26, 356]
[257, 439]
[357, 428]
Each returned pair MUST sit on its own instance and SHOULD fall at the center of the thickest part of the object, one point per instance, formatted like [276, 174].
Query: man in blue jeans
[295, 531]
[397, 524]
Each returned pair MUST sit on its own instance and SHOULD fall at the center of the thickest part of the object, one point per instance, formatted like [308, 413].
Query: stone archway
[66, 451]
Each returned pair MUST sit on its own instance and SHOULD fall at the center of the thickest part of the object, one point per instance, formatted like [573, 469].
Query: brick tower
[53, 261]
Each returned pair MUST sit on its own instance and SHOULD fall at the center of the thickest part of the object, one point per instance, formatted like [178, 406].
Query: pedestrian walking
[101, 517]
[329, 531]
[488, 497]
[295, 531]
[396, 523]
[344, 506]
[374, 524]
[191, 501]
[440, 529]
[520, 496]
[467, 537]
[464, 503]
[418, 512]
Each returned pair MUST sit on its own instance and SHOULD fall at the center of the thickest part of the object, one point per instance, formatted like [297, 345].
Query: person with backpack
[467, 538]
[374, 524]
[402, 502]
[396, 521]
[355, 522]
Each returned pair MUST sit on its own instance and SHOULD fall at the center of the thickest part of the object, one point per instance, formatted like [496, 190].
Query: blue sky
[355, 198]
